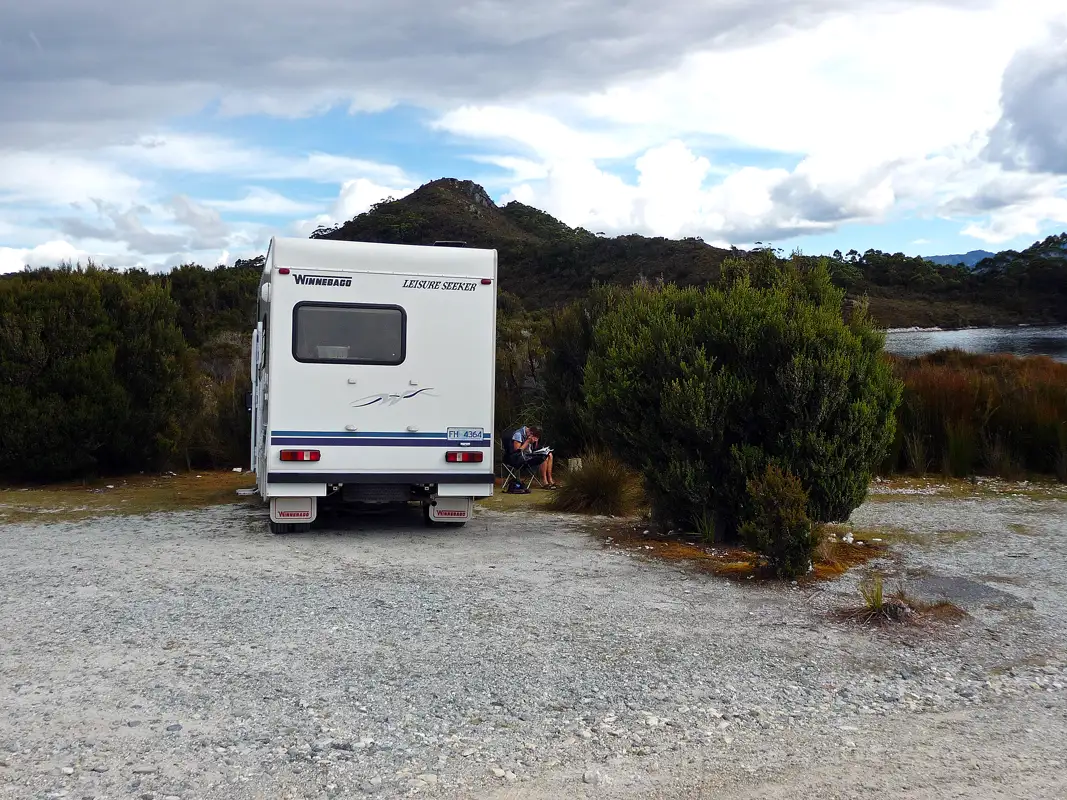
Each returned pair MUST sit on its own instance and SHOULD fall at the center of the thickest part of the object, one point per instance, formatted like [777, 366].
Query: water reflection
[1044, 340]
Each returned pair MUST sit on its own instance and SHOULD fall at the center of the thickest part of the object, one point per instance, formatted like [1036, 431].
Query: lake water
[1021, 341]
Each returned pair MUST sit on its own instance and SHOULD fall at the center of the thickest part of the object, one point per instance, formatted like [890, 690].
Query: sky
[156, 134]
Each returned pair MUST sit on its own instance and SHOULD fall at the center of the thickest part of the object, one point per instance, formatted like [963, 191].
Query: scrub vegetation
[743, 396]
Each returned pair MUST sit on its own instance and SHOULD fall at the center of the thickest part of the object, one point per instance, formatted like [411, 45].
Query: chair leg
[511, 475]
[534, 479]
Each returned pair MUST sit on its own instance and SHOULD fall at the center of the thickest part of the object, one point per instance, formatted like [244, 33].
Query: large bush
[94, 375]
[703, 389]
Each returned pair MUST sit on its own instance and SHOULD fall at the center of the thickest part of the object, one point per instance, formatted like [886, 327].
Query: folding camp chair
[513, 474]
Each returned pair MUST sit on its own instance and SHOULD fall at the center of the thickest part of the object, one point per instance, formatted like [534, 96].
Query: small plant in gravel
[778, 526]
[602, 485]
[878, 609]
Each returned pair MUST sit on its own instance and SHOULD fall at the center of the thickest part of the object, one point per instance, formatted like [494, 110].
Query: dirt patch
[834, 557]
[141, 494]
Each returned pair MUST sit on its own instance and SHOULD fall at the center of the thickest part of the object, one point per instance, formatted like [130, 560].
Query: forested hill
[545, 262]
[541, 260]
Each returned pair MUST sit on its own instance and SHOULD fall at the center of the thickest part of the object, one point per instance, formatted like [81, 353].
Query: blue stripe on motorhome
[338, 441]
[368, 435]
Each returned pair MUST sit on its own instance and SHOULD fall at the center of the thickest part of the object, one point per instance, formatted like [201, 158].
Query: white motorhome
[373, 378]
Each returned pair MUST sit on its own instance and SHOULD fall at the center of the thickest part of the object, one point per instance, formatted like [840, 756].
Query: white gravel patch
[194, 655]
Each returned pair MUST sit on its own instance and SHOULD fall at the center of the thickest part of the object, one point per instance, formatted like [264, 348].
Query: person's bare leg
[548, 470]
[544, 472]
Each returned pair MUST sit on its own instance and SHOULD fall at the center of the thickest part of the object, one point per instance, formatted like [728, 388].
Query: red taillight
[486, 281]
[463, 456]
[300, 455]
[283, 271]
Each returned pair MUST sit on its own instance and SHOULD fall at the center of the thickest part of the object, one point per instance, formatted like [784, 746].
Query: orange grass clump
[964, 414]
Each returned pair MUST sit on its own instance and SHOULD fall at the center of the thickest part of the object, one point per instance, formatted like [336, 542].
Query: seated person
[520, 453]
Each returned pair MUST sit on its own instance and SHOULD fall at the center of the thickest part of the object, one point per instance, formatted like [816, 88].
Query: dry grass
[537, 499]
[141, 494]
[965, 413]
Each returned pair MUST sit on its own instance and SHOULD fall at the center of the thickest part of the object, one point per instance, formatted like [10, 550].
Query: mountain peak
[541, 258]
[464, 189]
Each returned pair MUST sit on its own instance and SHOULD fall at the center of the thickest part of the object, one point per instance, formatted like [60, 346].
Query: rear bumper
[412, 478]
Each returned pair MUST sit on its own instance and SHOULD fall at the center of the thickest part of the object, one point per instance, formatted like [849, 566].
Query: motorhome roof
[327, 254]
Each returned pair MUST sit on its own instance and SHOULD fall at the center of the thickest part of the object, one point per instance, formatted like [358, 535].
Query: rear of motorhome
[373, 377]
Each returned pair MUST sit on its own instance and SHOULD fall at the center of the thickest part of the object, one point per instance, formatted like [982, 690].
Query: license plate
[466, 434]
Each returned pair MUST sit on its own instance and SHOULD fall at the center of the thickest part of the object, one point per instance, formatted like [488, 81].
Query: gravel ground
[194, 655]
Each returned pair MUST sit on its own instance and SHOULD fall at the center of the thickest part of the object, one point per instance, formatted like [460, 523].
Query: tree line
[105, 371]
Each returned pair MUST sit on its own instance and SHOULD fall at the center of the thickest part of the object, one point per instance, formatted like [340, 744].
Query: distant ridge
[970, 259]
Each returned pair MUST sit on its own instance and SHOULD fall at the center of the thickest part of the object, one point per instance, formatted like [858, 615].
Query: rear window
[332, 333]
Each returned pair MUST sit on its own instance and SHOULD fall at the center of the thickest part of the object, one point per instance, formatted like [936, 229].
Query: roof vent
[449, 244]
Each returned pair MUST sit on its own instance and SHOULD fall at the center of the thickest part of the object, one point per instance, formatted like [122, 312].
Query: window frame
[351, 361]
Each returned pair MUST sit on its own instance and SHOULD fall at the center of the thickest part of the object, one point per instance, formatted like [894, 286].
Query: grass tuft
[898, 607]
[602, 485]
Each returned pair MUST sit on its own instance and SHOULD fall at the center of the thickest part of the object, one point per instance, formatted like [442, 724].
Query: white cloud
[220, 156]
[1023, 219]
[519, 169]
[49, 254]
[29, 178]
[886, 113]
[265, 202]
[866, 86]
[108, 70]
[538, 131]
[356, 196]
[1031, 133]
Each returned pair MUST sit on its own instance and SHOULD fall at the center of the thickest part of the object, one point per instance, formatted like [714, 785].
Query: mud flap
[451, 509]
[298, 510]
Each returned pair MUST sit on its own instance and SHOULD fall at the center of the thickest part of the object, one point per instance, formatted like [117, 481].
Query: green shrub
[602, 485]
[778, 524]
[95, 376]
[568, 337]
[702, 389]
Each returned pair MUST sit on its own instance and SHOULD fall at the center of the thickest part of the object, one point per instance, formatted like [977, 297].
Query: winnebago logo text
[321, 280]
[452, 286]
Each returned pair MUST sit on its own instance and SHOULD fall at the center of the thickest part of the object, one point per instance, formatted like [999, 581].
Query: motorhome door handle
[352, 380]
[413, 428]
